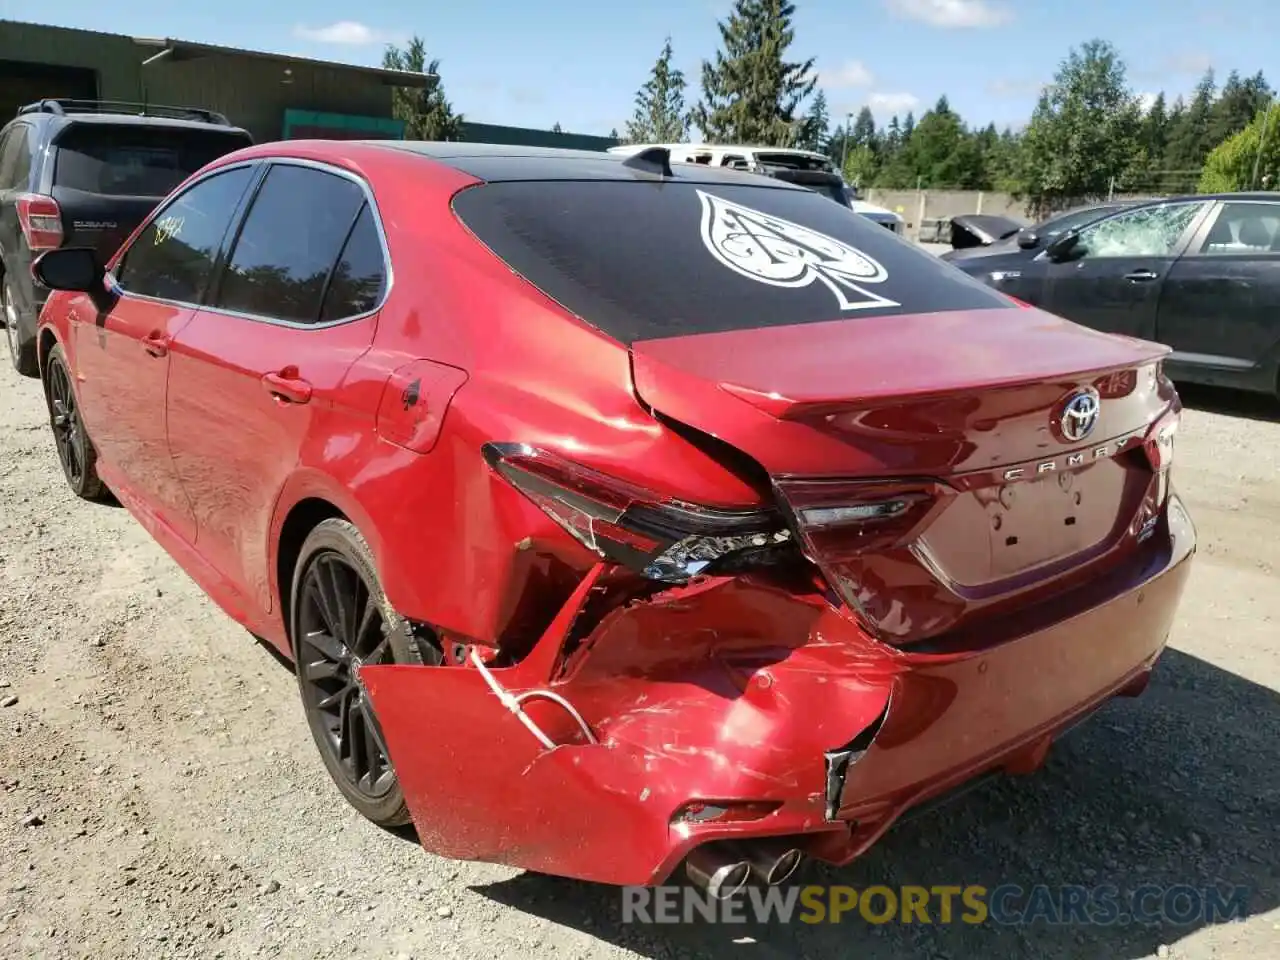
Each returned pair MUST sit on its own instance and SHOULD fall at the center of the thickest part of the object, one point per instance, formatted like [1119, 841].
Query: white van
[785, 162]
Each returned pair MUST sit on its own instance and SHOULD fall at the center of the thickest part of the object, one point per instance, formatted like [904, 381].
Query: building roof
[177, 50]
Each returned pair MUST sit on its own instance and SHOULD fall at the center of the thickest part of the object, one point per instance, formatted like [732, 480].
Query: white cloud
[1188, 62]
[889, 104]
[851, 73]
[1145, 100]
[1012, 87]
[952, 14]
[346, 32]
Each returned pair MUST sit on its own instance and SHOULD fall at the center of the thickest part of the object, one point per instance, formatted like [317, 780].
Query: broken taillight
[1159, 442]
[41, 220]
[661, 538]
[839, 517]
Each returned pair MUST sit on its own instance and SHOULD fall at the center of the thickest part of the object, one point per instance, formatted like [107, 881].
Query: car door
[122, 355]
[1112, 277]
[1220, 308]
[261, 364]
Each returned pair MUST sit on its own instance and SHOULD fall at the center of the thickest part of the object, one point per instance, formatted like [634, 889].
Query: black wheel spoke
[315, 670]
[327, 646]
[316, 590]
[367, 638]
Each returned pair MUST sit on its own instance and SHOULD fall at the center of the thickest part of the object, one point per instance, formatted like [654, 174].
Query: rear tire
[340, 618]
[22, 352]
[75, 449]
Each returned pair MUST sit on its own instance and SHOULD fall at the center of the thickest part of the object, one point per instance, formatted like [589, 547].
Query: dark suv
[85, 173]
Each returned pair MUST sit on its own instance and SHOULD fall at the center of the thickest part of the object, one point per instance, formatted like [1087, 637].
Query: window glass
[289, 244]
[118, 160]
[1072, 220]
[173, 258]
[1146, 232]
[6, 159]
[359, 279]
[21, 171]
[1244, 228]
[641, 260]
[15, 158]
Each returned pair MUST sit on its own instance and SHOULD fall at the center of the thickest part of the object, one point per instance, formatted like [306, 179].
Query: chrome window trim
[269, 162]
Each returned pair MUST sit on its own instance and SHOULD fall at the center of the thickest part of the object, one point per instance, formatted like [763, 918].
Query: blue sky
[579, 62]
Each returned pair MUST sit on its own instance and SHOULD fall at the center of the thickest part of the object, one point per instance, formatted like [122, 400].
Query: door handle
[1141, 276]
[289, 389]
[156, 344]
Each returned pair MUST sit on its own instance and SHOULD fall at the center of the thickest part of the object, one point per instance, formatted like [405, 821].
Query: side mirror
[1065, 247]
[1028, 239]
[74, 268]
[71, 268]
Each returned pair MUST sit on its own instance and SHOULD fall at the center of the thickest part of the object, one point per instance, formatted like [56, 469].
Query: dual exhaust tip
[724, 868]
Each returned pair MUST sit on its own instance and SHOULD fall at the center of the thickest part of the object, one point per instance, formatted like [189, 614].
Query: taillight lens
[41, 221]
[661, 538]
[1159, 442]
[839, 518]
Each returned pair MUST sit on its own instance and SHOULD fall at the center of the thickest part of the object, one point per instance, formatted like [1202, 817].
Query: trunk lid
[950, 425]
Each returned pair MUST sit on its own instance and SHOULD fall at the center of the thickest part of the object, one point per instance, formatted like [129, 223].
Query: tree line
[1090, 134]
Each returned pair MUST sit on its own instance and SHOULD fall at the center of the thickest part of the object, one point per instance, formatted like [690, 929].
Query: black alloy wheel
[341, 621]
[75, 450]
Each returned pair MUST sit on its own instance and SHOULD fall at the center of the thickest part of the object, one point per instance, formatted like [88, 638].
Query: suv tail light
[662, 538]
[41, 221]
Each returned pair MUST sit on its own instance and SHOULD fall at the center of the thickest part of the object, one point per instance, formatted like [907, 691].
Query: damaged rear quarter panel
[730, 689]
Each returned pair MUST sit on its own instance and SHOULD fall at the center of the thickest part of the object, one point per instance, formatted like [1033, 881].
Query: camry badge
[1079, 415]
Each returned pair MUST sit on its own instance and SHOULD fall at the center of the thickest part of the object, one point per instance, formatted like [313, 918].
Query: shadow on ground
[1230, 403]
[1178, 787]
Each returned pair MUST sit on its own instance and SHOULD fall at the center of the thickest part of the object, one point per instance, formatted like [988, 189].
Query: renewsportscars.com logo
[1007, 905]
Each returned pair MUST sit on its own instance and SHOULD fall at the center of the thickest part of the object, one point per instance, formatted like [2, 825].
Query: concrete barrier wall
[930, 205]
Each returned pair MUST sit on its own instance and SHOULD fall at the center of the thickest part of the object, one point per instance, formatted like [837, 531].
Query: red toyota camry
[619, 514]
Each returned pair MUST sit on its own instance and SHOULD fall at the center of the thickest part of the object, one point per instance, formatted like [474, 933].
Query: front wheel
[76, 453]
[341, 620]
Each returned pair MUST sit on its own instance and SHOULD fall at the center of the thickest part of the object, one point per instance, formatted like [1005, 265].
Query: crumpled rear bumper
[734, 692]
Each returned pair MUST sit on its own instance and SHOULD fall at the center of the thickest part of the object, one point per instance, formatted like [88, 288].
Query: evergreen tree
[557, 128]
[1191, 139]
[613, 134]
[909, 125]
[1237, 106]
[751, 92]
[864, 129]
[427, 113]
[1083, 132]
[817, 125]
[660, 115]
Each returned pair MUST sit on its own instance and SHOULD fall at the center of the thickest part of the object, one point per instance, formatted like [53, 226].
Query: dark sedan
[1199, 273]
[1024, 242]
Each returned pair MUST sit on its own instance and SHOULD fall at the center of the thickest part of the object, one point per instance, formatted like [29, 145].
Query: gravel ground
[160, 794]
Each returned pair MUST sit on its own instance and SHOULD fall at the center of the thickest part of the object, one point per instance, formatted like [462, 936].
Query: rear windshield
[136, 161]
[641, 260]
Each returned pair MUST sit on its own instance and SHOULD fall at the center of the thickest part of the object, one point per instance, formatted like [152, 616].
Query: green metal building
[273, 96]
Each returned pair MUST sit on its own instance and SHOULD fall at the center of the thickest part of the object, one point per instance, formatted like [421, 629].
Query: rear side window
[117, 160]
[291, 240]
[641, 260]
[360, 276]
[15, 158]
[173, 257]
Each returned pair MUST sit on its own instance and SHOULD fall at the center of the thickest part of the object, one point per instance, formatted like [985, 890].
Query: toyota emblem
[1079, 415]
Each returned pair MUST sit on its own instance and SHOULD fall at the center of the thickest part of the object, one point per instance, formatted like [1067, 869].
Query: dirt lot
[160, 794]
